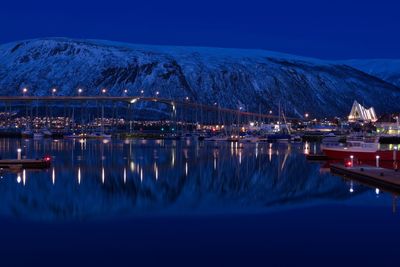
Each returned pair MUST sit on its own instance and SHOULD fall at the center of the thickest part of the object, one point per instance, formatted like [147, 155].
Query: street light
[104, 90]
[187, 98]
[53, 91]
[157, 93]
[80, 90]
[270, 112]
[142, 92]
[306, 115]
[24, 91]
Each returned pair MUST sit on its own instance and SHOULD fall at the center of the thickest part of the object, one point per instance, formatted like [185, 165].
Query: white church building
[360, 113]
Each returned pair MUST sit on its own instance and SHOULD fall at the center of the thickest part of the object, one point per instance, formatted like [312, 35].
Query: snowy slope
[386, 69]
[231, 77]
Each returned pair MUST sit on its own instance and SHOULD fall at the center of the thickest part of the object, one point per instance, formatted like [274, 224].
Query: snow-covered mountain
[386, 69]
[231, 77]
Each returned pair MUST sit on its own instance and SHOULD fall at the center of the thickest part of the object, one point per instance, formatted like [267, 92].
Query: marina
[199, 133]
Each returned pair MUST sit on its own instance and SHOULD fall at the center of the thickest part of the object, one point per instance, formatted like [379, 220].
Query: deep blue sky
[319, 28]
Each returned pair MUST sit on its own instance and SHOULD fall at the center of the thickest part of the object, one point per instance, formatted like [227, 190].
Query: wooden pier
[25, 163]
[379, 177]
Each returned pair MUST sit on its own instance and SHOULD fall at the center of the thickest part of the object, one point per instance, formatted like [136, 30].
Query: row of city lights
[104, 90]
[80, 91]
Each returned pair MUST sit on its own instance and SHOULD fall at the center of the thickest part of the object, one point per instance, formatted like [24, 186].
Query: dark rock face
[251, 78]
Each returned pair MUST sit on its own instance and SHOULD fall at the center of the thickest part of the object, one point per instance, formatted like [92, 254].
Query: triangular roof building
[360, 113]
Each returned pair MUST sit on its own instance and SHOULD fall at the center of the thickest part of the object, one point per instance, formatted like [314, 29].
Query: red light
[47, 158]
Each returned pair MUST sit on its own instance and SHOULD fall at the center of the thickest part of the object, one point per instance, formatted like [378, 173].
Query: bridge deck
[134, 99]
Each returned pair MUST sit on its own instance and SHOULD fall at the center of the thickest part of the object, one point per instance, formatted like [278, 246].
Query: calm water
[196, 197]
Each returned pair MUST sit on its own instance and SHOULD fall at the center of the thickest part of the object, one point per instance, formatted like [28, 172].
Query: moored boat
[278, 137]
[98, 135]
[217, 138]
[249, 139]
[38, 135]
[46, 132]
[362, 150]
[26, 133]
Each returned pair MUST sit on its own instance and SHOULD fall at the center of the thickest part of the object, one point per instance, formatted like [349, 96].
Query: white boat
[73, 135]
[249, 139]
[46, 132]
[98, 135]
[296, 138]
[330, 138]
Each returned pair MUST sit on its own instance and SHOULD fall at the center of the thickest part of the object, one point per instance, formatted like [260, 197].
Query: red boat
[363, 150]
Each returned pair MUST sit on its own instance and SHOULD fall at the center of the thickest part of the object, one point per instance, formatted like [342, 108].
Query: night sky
[340, 29]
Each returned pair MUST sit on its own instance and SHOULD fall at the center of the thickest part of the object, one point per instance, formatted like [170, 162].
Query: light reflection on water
[91, 178]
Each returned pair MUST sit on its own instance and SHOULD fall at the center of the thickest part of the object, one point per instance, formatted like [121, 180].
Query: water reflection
[175, 176]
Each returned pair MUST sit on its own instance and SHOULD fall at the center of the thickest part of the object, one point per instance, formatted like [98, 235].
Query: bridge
[180, 110]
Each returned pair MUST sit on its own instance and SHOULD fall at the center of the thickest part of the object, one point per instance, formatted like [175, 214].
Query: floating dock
[25, 163]
[380, 177]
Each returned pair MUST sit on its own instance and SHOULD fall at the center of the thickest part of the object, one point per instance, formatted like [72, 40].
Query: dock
[25, 163]
[379, 177]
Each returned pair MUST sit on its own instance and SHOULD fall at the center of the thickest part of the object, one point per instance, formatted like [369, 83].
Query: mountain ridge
[254, 79]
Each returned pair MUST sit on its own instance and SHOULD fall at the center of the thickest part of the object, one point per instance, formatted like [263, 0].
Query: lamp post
[24, 91]
[53, 91]
[103, 91]
[80, 90]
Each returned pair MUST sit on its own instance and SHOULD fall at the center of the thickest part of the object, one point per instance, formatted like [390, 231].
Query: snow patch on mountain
[253, 79]
[386, 69]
